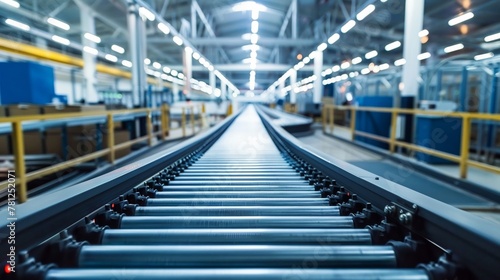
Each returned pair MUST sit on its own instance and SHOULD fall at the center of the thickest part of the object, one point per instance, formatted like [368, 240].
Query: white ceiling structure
[286, 32]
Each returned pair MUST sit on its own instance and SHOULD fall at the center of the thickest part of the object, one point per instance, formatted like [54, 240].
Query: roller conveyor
[242, 208]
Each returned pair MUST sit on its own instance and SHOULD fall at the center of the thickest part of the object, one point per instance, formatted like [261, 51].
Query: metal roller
[301, 272]
[193, 170]
[228, 187]
[236, 194]
[173, 222]
[233, 177]
[202, 201]
[236, 211]
[236, 173]
[229, 181]
[234, 256]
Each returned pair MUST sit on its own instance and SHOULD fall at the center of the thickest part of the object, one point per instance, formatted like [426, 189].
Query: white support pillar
[175, 92]
[187, 61]
[223, 88]
[318, 85]
[294, 19]
[141, 34]
[414, 15]
[211, 81]
[293, 81]
[89, 60]
[281, 86]
[137, 65]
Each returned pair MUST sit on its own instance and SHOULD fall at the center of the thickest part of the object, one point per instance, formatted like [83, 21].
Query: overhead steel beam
[292, 9]
[238, 41]
[268, 67]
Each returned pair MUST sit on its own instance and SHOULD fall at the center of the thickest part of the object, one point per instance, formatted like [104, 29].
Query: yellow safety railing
[462, 159]
[23, 178]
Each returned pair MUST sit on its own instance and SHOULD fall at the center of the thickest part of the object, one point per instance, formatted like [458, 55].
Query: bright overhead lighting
[365, 71]
[249, 6]
[322, 47]
[492, 37]
[365, 12]
[146, 13]
[423, 33]
[111, 57]
[253, 55]
[147, 61]
[60, 40]
[384, 66]
[174, 72]
[312, 55]
[58, 23]
[166, 69]
[177, 40]
[17, 24]
[252, 73]
[423, 56]
[334, 38]
[254, 38]
[156, 65]
[164, 28]
[12, 3]
[90, 50]
[188, 50]
[348, 26]
[211, 68]
[345, 65]
[483, 56]
[306, 60]
[126, 63]
[202, 60]
[117, 49]
[253, 65]
[400, 62]
[251, 48]
[370, 55]
[255, 26]
[356, 60]
[92, 37]
[255, 14]
[392, 46]
[336, 68]
[453, 48]
[461, 18]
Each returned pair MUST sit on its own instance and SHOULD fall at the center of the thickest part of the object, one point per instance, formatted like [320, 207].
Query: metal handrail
[462, 159]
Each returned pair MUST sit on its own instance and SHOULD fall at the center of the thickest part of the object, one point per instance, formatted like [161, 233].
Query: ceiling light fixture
[348, 26]
[392, 46]
[370, 55]
[461, 18]
[60, 40]
[453, 48]
[17, 24]
[177, 40]
[92, 37]
[483, 56]
[117, 49]
[365, 12]
[334, 38]
[163, 28]
[58, 23]
[111, 57]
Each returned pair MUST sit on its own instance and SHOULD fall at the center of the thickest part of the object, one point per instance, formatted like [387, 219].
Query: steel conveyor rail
[235, 204]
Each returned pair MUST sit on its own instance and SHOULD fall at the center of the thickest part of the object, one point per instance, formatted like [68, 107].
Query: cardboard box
[4, 145]
[53, 142]
[32, 142]
[80, 144]
[55, 109]
[23, 110]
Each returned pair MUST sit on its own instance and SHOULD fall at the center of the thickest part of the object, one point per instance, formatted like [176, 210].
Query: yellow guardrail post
[229, 109]
[149, 124]
[164, 120]
[21, 182]
[464, 146]
[192, 119]
[392, 140]
[183, 122]
[332, 116]
[323, 117]
[353, 123]
[111, 137]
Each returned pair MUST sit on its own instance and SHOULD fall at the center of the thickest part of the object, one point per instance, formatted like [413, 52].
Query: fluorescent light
[322, 47]
[249, 6]
[334, 38]
[90, 50]
[423, 56]
[180, 76]
[58, 23]
[17, 24]
[306, 60]
[461, 18]
[312, 55]
[146, 13]
[126, 63]
[156, 65]
[177, 40]
[255, 14]
[202, 60]
[492, 37]
[188, 50]
[111, 57]
[174, 72]
[255, 26]
[336, 68]
[196, 55]
[483, 56]
[253, 54]
[252, 73]
[365, 12]
[92, 37]
[345, 65]
[60, 40]
[166, 69]
[423, 33]
[12, 3]
[251, 48]
[254, 38]
[164, 28]
[370, 55]
[348, 26]
[384, 66]
[400, 62]
[453, 48]
[356, 60]
[147, 61]
[365, 71]
[392, 46]
[117, 49]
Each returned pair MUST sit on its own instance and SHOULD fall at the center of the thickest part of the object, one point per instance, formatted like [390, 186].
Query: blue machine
[26, 82]
[373, 122]
[438, 133]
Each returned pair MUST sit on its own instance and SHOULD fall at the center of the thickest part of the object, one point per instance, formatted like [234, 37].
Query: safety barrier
[23, 178]
[462, 159]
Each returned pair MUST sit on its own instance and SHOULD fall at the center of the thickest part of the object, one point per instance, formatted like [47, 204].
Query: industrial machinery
[246, 201]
